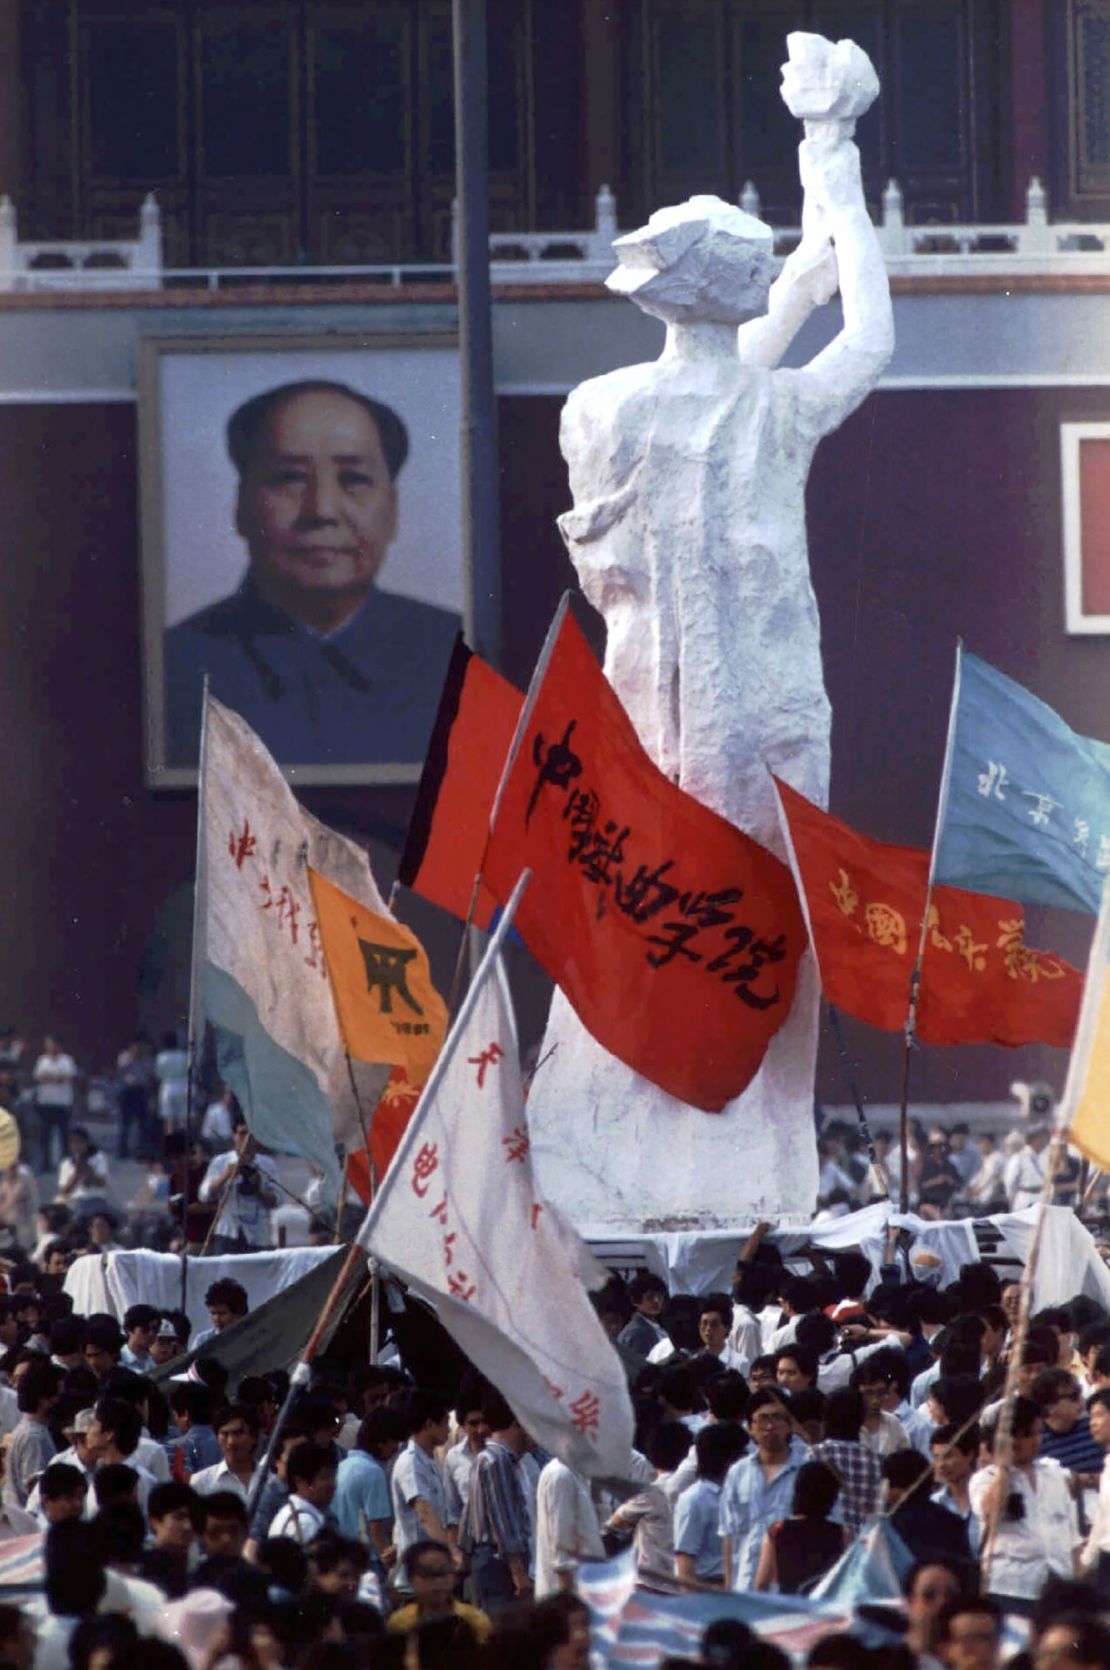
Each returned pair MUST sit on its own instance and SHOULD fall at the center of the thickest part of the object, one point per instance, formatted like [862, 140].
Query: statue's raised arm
[828, 87]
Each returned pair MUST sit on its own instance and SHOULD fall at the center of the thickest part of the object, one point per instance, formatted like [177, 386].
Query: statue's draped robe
[688, 534]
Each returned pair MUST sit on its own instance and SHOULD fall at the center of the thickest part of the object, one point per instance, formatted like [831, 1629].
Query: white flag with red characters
[460, 1221]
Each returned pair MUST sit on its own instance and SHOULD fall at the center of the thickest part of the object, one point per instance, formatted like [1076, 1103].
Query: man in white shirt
[714, 1323]
[458, 1463]
[112, 1437]
[237, 1434]
[55, 1075]
[567, 1530]
[1025, 1173]
[310, 1472]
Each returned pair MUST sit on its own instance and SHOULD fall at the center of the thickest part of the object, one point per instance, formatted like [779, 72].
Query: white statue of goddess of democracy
[688, 534]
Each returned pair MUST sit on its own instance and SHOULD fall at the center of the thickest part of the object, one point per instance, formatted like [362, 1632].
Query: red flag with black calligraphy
[980, 982]
[460, 1220]
[675, 937]
[447, 834]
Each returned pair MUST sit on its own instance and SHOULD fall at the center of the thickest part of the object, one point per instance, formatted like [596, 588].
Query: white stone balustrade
[1035, 247]
[86, 263]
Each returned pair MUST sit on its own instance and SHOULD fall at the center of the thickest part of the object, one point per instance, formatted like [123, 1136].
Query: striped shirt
[496, 1514]
[1076, 1450]
[415, 1474]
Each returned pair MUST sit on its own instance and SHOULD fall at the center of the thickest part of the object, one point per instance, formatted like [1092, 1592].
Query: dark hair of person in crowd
[223, 1504]
[904, 1468]
[228, 1292]
[761, 1365]
[423, 1407]
[805, 1360]
[109, 1633]
[286, 1562]
[853, 1272]
[122, 1532]
[73, 1569]
[1042, 1348]
[104, 1332]
[1052, 1384]
[726, 1395]
[725, 1644]
[167, 1498]
[716, 1304]
[800, 1293]
[668, 1445]
[644, 1283]
[40, 1383]
[499, 1415]
[1101, 1395]
[717, 1446]
[840, 1652]
[238, 1412]
[67, 1335]
[1025, 1417]
[380, 1426]
[816, 1489]
[113, 1483]
[305, 1460]
[980, 1286]
[676, 1387]
[768, 1394]
[966, 1605]
[815, 1334]
[188, 1398]
[122, 1420]
[844, 1414]
[959, 1396]
[755, 1285]
[965, 1438]
[62, 1479]
[1101, 1364]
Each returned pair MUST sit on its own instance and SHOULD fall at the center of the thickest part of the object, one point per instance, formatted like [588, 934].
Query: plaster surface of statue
[688, 534]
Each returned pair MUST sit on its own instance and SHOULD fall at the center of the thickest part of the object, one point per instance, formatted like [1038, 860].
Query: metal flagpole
[200, 887]
[481, 519]
[915, 976]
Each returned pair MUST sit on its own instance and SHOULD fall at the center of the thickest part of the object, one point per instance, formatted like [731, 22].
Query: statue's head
[823, 81]
[703, 259]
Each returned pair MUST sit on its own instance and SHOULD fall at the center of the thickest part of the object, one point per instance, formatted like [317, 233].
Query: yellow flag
[1086, 1109]
[387, 1006]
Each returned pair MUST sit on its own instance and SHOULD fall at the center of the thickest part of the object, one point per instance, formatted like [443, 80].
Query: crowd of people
[406, 1517]
[408, 1523]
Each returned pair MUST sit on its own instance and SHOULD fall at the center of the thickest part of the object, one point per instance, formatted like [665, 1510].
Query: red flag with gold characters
[675, 937]
[474, 728]
[980, 982]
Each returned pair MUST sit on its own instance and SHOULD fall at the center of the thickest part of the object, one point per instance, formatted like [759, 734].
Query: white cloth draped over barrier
[113, 1282]
[1068, 1263]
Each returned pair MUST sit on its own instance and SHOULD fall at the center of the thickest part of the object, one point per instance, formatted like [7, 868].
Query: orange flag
[980, 982]
[388, 1008]
[675, 937]
[447, 834]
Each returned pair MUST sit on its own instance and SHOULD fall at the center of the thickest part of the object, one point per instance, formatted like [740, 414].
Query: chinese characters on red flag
[980, 982]
[675, 937]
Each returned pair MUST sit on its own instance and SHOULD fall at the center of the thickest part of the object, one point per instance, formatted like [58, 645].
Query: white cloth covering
[115, 1281]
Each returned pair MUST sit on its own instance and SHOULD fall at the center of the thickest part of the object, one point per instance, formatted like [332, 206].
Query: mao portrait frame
[188, 386]
[1080, 619]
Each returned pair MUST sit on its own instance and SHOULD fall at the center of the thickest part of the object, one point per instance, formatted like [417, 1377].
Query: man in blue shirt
[327, 669]
[758, 1490]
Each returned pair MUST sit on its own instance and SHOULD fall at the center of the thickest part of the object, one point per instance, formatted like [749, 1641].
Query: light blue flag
[1025, 803]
